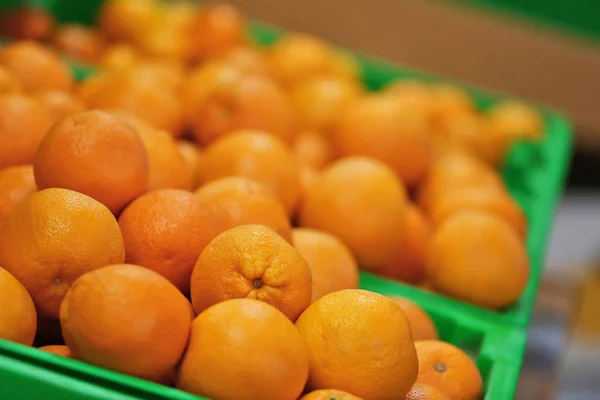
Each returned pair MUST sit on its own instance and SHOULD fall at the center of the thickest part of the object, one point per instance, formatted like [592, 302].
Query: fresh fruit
[127, 19]
[395, 133]
[16, 183]
[165, 231]
[331, 263]
[8, 83]
[246, 58]
[448, 101]
[216, 29]
[421, 325]
[220, 98]
[516, 120]
[26, 22]
[252, 261]
[193, 157]
[236, 201]
[36, 67]
[320, 100]
[448, 369]
[362, 202]
[255, 155]
[78, 42]
[349, 335]
[102, 314]
[421, 391]
[329, 394]
[52, 238]
[312, 150]
[59, 104]
[498, 203]
[97, 154]
[473, 252]
[409, 263]
[23, 124]
[244, 349]
[118, 56]
[59, 350]
[17, 312]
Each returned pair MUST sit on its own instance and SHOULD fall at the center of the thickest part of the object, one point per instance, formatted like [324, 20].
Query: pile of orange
[196, 213]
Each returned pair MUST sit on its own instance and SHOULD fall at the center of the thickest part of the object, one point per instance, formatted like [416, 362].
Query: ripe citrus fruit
[516, 120]
[332, 265]
[16, 183]
[165, 230]
[217, 28]
[8, 83]
[395, 133]
[17, 314]
[193, 157]
[78, 42]
[36, 67]
[244, 349]
[53, 237]
[23, 124]
[421, 325]
[362, 202]
[59, 104]
[448, 369]
[495, 202]
[125, 19]
[246, 58]
[59, 350]
[102, 314]
[349, 335]
[97, 154]
[473, 251]
[236, 201]
[312, 150]
[255, 155]
[409, 262]
[220, 98]
[254, 262]
[320, 100]
[329, 394]
[421, 391]
[26, 21]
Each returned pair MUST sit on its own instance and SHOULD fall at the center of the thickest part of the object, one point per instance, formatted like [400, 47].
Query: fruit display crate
[534, 174]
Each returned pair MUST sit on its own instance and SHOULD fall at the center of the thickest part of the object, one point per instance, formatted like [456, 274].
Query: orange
[449, 101]
[167, 39]
[26, 22]
[395, 133]
[457, 170]
[59, 104]
[244, 349]
[252, 261]
[59, 350]
[414, 91]
[516, 120]
[332, 265]
[236, 201]
[165, 231]
[141, 96]
[421, 325]
[97, 154]
[78, 42]
[320, 100]
[126, 318]
[217, 28]
[448, 369]
[349, 335]
[219, 98]
[246, 58]
[193, 157]
[23, 124]
[167, 167]
[362, 202]
[16, 183]
[8, 83]
[17, 312]
[329, 394]
[420, 391]
[255, 155]
[52, 238]
[477, 257]
[312, 150]
[36, 67]
[117, 56]
[498, 203]
[127, 19]
[409, 262]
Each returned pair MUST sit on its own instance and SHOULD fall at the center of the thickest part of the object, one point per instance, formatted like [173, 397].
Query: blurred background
[546, 51]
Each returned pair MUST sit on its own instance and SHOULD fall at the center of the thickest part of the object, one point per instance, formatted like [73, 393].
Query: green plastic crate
[534, 174]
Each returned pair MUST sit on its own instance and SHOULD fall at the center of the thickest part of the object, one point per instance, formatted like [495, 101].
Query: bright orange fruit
[17, 312]
[16, 183]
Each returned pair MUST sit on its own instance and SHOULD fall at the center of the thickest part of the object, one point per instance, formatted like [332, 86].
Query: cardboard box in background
[469, 44]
